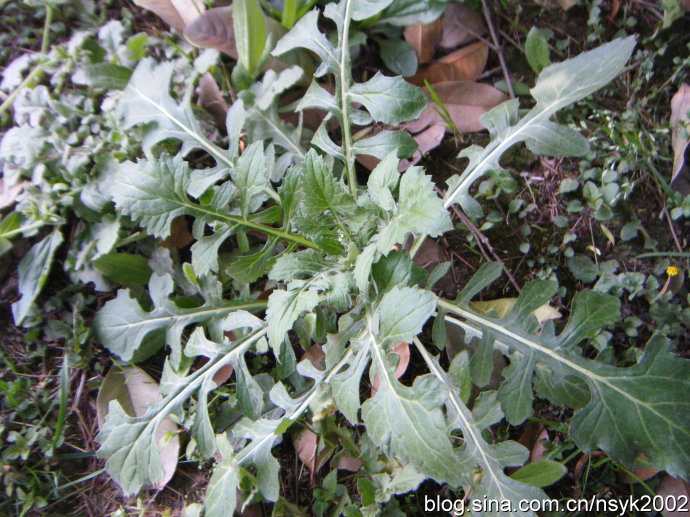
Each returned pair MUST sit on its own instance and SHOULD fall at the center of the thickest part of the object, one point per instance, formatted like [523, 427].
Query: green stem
[35, 72]
[281, 234]
[45, 41]
[660, 179]
[32, 75]
[32, 226]
[343, 79]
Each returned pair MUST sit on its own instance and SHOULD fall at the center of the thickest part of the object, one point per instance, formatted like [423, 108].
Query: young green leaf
[537, 50]
[33, 273]
[250, 33]
[541, 473]
[418, 211]
[132, 334]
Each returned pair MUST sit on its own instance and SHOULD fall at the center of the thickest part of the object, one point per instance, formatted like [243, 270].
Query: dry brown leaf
[423, 38]
[428, 139]
[176, 13]
[538, 448]
[306, 445]
[9, 194]
[314, 354]
[677, 488]
[223, 374]
[680, 105]
[213, 29]
[403, 351]
[465, 64]
[348, 463]
[179, 234]
[642, 471]
[465, 101]
[211, 99]
[460, 24]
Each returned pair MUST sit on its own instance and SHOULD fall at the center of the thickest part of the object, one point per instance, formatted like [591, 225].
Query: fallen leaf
[465, 64]
[179, 234]
[403, 351]
[680, 105]
[466, 102]
[348, 463]
[306, 444]
[314, 354]
[538, 449]
[223, 374]
[136, 391]
[213, 29]
[8, 195]
[422, 37]
[460, 24]
[426, 140]
[642, 471]
[211, 99]
[679, 490]
[176, 13]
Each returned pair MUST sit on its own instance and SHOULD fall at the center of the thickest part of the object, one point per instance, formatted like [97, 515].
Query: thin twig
[497, 47]
[665, 215]
[482, 241]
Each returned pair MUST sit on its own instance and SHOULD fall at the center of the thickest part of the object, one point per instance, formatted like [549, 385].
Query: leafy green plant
[319, 265]
[325, 246]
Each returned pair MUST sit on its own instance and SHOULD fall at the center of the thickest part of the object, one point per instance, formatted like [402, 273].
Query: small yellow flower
[672, 271]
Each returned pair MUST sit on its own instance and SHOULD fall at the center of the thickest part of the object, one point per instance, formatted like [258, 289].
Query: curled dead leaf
[136, 391]
[423, 37]
[348, 463]
[213, 29]
[176, 13]
[314, 354]
[465, 64]
[642, 471]
[211, 99]
[428, 139]
[306, 444]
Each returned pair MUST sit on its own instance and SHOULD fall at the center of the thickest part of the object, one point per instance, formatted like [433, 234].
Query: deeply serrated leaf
[128, 331]
[557, 86]
[631, 411]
